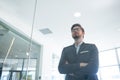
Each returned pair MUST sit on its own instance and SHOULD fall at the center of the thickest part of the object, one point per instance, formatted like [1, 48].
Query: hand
[83, 64]
[71, 74]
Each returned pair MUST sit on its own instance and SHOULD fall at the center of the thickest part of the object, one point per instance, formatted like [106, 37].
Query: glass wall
[15, 69]
[109, 64]
[19, 55]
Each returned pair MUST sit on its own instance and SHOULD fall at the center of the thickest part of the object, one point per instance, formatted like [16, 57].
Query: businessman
[80, 60]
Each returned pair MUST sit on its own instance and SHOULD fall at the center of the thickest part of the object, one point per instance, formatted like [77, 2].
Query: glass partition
[20, 55]
[109, 65]
[16, 59]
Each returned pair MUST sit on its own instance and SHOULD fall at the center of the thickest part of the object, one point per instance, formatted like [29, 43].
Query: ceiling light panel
[45, 31]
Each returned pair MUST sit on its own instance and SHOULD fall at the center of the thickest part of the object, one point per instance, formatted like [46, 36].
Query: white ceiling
[100, 18]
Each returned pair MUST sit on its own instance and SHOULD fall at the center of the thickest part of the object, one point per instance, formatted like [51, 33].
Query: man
[80, 60]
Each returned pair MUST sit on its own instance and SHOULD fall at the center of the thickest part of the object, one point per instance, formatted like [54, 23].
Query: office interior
[34, 32]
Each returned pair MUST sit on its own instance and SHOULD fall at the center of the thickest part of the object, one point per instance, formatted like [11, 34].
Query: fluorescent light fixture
[77, 14]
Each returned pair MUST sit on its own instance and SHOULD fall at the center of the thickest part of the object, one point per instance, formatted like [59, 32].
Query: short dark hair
[74, 25]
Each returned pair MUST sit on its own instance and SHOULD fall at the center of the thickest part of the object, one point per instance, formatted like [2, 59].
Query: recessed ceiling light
[77, 14]
[27, 54]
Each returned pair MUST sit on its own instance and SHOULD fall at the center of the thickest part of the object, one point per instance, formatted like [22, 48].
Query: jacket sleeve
[93, 64]
[67, 68]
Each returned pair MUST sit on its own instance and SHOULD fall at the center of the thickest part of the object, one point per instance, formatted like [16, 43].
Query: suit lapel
[73, 49]
[81, 47]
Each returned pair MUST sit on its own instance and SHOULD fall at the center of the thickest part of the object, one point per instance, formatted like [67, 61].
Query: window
[110, 73]
[108, 58]
[109, 66]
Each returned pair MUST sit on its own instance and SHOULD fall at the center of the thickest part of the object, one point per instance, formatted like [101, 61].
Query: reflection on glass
[108, 58]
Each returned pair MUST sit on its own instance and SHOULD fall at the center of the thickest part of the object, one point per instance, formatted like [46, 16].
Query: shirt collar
[78, 44]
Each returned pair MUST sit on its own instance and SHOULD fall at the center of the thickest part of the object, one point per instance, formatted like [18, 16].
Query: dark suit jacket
[88, 53]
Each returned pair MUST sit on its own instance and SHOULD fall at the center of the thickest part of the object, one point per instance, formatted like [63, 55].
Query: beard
[76, 37]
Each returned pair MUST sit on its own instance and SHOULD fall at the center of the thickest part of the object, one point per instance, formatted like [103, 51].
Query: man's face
[77, 32]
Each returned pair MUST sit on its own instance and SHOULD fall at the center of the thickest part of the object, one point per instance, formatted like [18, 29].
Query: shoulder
[89, 44]
[92, 44]
[69, 47]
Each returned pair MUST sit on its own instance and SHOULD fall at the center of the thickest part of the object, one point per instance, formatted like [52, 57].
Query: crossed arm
[82, 64]
[91, 67]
